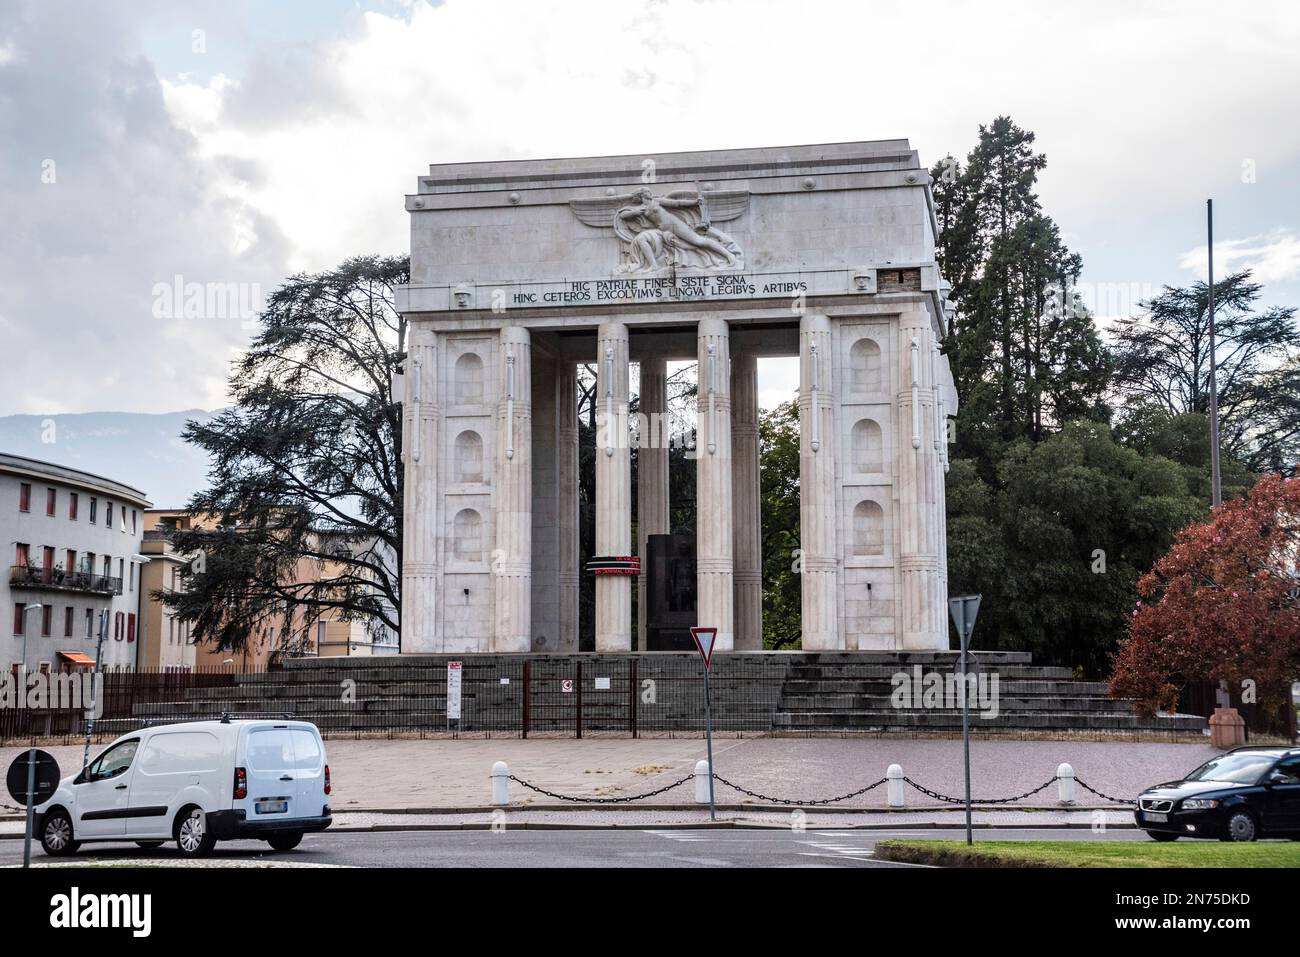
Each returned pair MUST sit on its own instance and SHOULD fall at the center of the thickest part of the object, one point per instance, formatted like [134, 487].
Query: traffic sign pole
[704, 638]
[963, 611]
[31, 806]
[31, 780]
[708, 737]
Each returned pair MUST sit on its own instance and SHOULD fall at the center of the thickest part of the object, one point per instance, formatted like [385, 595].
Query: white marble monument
[521, 270]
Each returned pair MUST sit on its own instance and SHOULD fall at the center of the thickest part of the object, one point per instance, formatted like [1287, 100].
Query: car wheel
[285, 842]
[193, 836]
[1240, 827]
[149, 845]
[56, 835]
[1162, 836]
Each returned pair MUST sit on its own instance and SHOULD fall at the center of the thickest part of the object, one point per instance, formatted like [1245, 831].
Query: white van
[195, 783]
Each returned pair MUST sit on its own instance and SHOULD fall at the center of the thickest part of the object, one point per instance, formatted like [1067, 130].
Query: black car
[1244, 794]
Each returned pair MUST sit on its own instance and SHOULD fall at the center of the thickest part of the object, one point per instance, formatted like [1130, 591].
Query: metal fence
[519, 696]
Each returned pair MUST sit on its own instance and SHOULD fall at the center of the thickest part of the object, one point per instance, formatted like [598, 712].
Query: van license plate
[271, 807]
[1155, 816]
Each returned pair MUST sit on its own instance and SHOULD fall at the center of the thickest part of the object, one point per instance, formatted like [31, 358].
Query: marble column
[422, 512]
[746, 502]
[566, 417]
[613, 487]
[715, 587]
[818, 441]
[512, 559]
[922, 624]
[652, 475]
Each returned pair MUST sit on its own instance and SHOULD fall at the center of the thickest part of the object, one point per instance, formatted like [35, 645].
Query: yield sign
[963, 611]
[704, 641]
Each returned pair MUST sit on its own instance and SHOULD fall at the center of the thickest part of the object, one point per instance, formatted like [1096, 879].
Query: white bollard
[500, 784]
[895, 785]
[701, 782]
[1065, 783]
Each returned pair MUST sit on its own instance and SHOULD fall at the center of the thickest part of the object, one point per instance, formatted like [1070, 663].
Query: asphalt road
[566, 848]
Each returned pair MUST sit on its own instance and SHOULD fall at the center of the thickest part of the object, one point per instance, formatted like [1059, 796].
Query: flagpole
[1216, 485]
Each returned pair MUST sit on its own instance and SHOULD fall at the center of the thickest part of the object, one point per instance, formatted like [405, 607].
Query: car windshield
[1240, 768]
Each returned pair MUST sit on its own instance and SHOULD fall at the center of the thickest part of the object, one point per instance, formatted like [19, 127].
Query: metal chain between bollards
[947, 799]
[1089, 787]
[811, 803]
[955, 800]
[600, 800]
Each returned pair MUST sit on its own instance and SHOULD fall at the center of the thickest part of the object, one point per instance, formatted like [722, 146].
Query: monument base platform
[662, 693]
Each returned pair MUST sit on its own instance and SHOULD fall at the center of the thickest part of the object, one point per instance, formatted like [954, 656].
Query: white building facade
[522, 270]
[74, 549]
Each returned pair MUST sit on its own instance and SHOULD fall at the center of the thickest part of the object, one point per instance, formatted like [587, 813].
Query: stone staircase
[856, 692]
[662, 692]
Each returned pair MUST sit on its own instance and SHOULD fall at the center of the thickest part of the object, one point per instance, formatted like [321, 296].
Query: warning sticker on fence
[566, 685]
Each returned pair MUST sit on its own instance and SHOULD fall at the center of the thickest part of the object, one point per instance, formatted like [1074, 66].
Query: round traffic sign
[47, 777]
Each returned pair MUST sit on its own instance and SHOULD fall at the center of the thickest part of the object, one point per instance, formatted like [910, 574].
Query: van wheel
[193, 836]
[149, 845]
[285, 842]
[56, 834]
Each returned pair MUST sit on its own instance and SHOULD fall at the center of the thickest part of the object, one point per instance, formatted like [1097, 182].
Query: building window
[67, 622]
[133, 521]
[22, 554]
[171, 629]
[108, 514]
[47, 619]
[72, 506]
[70, 564]
[51, 501]
[90, 623]
[94, 507]
[24, 497]
[130, 626]
[18, 618]
[132, 586]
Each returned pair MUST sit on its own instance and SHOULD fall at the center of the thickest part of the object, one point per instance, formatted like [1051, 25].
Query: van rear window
[306, 750]
[270, 749]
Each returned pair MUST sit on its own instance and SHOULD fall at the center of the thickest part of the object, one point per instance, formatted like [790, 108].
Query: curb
[741, 808]
[678, 826]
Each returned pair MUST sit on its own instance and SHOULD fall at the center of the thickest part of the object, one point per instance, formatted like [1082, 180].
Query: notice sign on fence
[453, 690]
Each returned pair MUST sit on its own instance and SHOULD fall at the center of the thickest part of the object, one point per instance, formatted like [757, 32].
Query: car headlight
[1199, 804]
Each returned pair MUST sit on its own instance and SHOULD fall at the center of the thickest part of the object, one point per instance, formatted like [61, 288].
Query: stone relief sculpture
[671, 231]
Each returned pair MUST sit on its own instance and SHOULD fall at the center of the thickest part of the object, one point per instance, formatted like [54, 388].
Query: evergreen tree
[1163, 363]
[1025, 355]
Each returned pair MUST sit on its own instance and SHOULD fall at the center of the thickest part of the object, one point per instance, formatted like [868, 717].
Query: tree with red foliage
[1222, 605]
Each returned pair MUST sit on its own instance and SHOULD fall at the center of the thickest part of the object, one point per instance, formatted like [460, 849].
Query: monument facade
[521, 270]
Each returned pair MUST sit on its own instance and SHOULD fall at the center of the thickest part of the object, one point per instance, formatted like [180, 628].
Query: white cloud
[299, 153]
[1271, 257]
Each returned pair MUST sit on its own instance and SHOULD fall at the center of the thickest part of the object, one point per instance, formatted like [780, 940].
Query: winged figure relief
[673, 230]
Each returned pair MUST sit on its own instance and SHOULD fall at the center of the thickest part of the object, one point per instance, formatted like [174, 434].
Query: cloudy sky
[238, 141]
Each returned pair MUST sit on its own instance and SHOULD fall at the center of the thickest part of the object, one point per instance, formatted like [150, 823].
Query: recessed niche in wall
[868, 529]
[468, 379]
[868, 446]
[467, 536]
[864, 362]
[469, 457]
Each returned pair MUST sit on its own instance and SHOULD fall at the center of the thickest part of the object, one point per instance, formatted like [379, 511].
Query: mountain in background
[142, 450]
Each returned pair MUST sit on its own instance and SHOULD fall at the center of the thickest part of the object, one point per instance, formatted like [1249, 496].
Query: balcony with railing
[56, 579]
